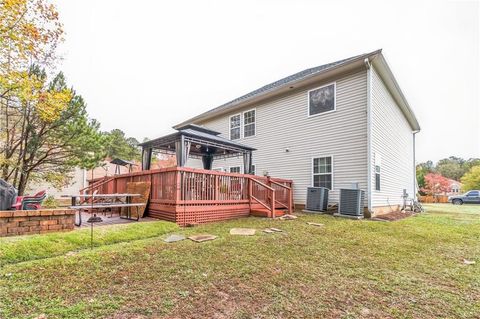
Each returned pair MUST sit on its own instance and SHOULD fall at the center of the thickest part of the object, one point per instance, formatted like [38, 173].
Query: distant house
[455, 187]
[336, 125]
[78, 181]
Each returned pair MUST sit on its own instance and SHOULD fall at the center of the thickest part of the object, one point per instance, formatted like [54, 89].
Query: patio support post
[247, 162]
[182, 151]
[146, 158]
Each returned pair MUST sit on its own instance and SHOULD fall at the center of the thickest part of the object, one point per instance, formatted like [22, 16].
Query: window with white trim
[235, 169]
[377, 177]
[322, 99]
[249, 123]
[322, 172]
[235, 126]
[378, 165]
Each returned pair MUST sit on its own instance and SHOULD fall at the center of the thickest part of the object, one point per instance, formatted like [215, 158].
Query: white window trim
[239, 166]
[230, 126]
[312, 170]
[377, 161]
[334, 99]
[375, 178]
[243, 123]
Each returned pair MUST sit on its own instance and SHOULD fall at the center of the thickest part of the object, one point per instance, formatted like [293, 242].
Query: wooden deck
[190, 196]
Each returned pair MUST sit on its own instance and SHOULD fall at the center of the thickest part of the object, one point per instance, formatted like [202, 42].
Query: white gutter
[369, 134]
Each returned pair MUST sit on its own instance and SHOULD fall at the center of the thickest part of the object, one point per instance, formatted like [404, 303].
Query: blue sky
[144, 66]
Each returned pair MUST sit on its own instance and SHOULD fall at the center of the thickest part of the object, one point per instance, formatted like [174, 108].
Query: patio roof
[203, 141]
[198, 142]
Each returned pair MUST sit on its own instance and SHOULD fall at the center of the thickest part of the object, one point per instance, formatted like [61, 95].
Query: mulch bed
[393, 216]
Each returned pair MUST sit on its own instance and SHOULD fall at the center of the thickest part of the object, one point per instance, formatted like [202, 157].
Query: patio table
[108, 201]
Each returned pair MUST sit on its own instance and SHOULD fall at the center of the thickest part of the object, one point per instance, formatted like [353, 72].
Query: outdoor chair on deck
[30, 202]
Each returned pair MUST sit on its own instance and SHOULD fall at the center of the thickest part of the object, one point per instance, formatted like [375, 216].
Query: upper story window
[235, 127]
[249, 123]
[322, 99]
[322, 172]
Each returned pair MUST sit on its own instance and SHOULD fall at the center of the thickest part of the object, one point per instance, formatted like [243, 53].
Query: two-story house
[334, 125]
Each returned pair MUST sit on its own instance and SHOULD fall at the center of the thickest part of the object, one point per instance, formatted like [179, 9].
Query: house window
[235, 127]
[235, 169]
[377, 177]
[321, 100]
[249, 123]
[322, 172]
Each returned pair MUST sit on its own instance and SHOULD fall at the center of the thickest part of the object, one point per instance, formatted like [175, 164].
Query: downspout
[414, 168]
[369, 134]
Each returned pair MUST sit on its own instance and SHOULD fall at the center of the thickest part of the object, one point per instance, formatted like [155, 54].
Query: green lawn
[411, 268]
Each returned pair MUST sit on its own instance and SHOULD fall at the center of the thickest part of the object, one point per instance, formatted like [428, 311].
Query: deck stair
[263, 212]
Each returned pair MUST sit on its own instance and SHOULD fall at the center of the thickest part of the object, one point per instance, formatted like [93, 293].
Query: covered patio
[193, 141]
[198, 195]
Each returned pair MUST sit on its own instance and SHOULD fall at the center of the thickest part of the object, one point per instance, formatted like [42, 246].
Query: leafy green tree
[471, 180]
[452, 167]
[120, 146]
[423, 169]
[48, 133]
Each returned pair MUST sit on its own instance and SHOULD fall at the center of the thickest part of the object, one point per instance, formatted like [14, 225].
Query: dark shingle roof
[289, 79]
[277, 84]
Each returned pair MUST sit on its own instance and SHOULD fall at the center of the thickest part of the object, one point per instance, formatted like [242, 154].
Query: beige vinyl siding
[283, 122]
[392, 139]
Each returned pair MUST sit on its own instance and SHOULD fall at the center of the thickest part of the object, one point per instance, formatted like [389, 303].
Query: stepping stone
[202, 238]
[468, 262]
[242, 231]
[288, 217]
[315, 224]
[174, 238]
[276, 230]
[268, 231]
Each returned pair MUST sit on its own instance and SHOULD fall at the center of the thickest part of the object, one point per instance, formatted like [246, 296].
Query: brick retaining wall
[27, 222]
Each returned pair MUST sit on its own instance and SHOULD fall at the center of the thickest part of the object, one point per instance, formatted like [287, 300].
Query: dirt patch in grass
[393, 216]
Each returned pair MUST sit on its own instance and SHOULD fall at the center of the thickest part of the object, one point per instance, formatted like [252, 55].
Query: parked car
[470, 197]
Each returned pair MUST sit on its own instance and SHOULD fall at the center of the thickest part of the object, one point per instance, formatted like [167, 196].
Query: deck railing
[199, 187]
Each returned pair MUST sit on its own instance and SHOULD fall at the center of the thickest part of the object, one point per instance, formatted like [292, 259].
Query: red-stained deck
[188, 196]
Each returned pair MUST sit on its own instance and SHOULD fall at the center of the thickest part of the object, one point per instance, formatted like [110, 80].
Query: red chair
[30, 202]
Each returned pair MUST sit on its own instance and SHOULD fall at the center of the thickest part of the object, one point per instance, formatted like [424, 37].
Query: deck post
[216, 187]
[290, 200]
[178, 181]
[273, 204]
[250, 193]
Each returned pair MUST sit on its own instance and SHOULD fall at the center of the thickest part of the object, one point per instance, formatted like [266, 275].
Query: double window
[235, 169]
[322, 172]
[322, 99]
[247, 120]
